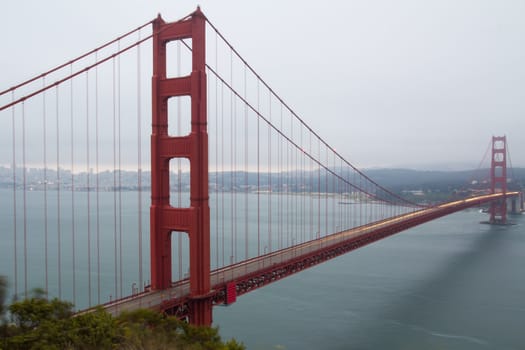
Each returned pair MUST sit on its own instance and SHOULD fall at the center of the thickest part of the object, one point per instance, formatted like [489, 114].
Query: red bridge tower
[164, 219]
[498, 179]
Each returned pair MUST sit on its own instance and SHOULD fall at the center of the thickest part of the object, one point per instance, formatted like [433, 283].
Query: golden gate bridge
[243, 191]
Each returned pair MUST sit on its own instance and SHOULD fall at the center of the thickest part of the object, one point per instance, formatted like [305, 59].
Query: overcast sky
[422, 84]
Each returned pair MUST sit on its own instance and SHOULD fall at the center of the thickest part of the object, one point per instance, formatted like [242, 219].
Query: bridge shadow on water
[449, 284]
[473, 300]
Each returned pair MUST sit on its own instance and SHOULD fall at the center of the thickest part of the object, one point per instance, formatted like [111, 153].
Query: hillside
[397, 180]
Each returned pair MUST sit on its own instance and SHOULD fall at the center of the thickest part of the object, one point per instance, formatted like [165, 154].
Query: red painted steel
[255, 273]
[498, 179]
[164, 218]
[231, 293]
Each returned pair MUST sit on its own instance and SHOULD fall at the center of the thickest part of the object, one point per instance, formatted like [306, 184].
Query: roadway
[274, 263]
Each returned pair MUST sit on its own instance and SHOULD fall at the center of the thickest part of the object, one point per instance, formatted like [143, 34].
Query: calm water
[449, 284]
[92, 240]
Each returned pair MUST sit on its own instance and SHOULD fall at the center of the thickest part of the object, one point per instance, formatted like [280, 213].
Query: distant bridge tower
[195, 219]
[498, 179]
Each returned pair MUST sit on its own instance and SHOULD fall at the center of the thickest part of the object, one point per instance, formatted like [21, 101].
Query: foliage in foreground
[39, 323]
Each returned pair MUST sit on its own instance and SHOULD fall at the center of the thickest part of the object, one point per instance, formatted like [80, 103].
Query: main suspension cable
[94, 51]
[301, 120]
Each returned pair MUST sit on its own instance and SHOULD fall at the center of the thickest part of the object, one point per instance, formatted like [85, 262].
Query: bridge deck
[257, 272]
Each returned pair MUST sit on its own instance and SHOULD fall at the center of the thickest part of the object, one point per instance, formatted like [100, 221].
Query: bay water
[452, 283]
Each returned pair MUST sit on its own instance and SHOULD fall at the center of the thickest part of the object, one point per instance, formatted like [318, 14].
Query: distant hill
[397, 180]
[406, 179]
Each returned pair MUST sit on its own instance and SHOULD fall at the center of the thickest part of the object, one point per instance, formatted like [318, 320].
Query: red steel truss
[235, 280]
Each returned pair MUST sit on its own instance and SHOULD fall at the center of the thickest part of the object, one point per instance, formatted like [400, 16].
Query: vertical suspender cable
[310, 187]
[88, 170]
[298, 201]
[290, 204]
[280, 146]
[295, 180]
[139, 161]
[369, 202]
[24, 198]
[354, 211]
[365, 203]
[269, 174]
[371, 205]
[258, 175]
[222, 172]
[216, 157]
[326, 191]
[288, 196]
[13, 133]
[319, 191]
[232, 167]
[46, 229]
[115, 255]
[235, 141]
[72, 146]
[334, 191]
[302, 182]
[119, 172]
[339, 196]
[289, 190]
[347, 192]
[59, 186]
[246, 235]
[342, 188]
[97, 178]
[361, 195]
